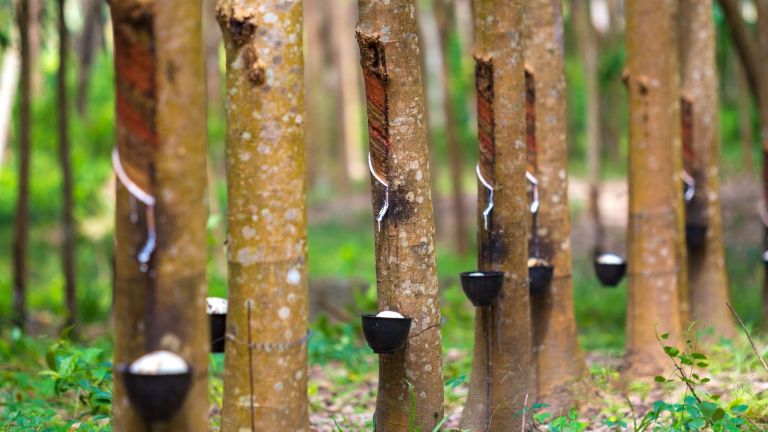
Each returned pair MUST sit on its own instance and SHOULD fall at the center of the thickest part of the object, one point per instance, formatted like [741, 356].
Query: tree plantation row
[526, 349]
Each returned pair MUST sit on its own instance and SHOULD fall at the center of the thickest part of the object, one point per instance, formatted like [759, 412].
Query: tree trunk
[653, 304]
[265, 378]
[754, 58]
[90, 40]
[446, 25]
[682, 165]
[34, 31]
[212, 41]
[20, 230]
[745, 117]
[319, 106]
[555, 336]
[159, 299]
[707, 276]
[349, 90]
[68, 221]
[9, 82]
[405, 248]
[501, 366]
[762, 55]
[588, 48]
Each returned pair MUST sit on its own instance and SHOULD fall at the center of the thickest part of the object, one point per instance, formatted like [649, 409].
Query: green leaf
[440, 425]
[665, 336]
[698, 356]
[671, 351]
[660, 379]
[718, 415]
[738, 409]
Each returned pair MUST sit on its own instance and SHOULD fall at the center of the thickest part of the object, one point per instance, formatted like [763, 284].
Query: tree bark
[555, 336]
[344, 15]
[405, 247]
[9, 84]
[20, 230]
[754, 57]
[265, 378]
[34, 32]
[212, 41]
[653, 303]
[91, 39]
[707, 276]
[502, 361]
[320, 106]
[446, 26]
[745, 117]
[588, 48]
[161, 133]
[68, 222]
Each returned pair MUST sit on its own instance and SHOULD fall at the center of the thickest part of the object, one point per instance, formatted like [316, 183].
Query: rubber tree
[707, 278]
[160, 160]
[20, 227]
[68, 221]
[502, 360]
[555, 337]
[588, 44]
[753, 52]
[265, 378]
[445, 14]
[653, 303]
[404, 231]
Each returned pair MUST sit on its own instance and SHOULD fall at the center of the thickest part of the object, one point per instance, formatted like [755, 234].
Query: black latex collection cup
[610, 269]
[385, 335]
[540, 274]
[156, 397]
[482, 287]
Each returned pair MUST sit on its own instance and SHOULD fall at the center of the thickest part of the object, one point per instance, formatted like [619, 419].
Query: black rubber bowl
[482, 287]
[218, 332]
[695, 235]
[539, 278]
[610, 274]
[385, 335]
[156, 397]
[764, 257]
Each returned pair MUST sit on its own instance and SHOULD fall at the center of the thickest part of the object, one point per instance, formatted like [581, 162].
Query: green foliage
[51, 386]
[698, 410]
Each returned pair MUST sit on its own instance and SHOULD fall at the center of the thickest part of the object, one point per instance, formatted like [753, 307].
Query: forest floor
[49, 384]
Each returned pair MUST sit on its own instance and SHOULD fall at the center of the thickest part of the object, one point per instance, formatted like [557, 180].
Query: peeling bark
[405, 246]
[707, 276]
[655, 192]
[501, 364]
[555, 337]
[265, 378]
[161, 142]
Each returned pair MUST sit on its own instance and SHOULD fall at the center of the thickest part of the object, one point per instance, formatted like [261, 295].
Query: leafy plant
[698, 410]
[83, 372]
